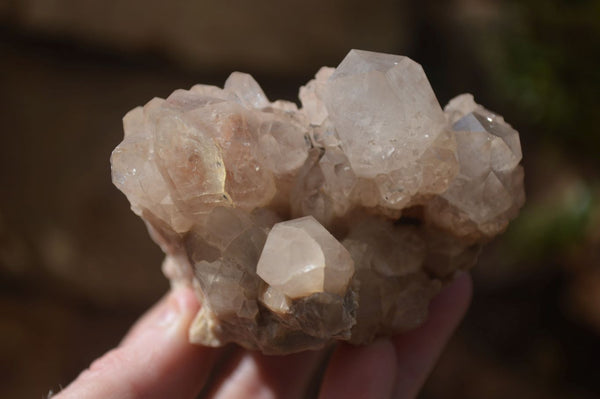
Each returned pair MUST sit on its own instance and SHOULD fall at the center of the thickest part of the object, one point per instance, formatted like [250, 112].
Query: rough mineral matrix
[336, 221]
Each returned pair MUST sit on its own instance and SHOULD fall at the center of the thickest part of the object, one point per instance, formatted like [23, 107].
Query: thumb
[155, 360]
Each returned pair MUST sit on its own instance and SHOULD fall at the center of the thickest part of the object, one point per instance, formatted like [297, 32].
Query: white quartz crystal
[301, 258]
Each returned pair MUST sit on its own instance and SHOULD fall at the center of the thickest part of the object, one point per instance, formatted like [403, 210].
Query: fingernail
[180, 302]
[186, 298]
[169, 313]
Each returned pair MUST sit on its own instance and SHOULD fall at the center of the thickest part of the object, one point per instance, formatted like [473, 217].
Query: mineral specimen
[336, 221]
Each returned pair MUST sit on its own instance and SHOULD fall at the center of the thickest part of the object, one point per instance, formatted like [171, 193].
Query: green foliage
[546, 230]
[543, 60]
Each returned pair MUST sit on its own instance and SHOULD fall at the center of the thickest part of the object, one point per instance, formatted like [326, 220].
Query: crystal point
[378, 102]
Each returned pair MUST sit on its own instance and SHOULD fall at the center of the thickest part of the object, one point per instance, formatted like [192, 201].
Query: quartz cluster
[339, 220]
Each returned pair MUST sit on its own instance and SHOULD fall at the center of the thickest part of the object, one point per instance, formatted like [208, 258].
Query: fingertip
[418, 350]
[361, 371]
[186, 299]
[454, 299]
[461, 286]
[179, 304]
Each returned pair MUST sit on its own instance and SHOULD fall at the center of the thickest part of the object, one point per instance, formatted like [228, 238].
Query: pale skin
[156, 360]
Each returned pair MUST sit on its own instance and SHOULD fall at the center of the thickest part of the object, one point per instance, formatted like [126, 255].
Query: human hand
[156, 360]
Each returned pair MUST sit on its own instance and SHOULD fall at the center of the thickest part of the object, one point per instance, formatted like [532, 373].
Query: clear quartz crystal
[378, 103]
[339, 220]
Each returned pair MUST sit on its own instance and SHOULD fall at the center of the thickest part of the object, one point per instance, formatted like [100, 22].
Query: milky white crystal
[301, 257]
[339, 220]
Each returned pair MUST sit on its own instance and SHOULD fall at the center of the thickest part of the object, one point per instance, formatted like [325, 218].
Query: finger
[360, 372]
[155, 360]
[147, 320]
[257, 376]
[418, 350]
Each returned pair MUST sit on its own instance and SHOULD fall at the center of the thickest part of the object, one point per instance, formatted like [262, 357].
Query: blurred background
[77, 266]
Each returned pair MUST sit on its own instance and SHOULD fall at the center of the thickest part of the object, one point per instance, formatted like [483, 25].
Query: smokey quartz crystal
[339, 220]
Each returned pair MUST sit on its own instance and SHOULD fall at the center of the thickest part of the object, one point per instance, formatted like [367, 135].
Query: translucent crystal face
[336, 221]
[301, 258]
[488, 190]
[379, 103]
